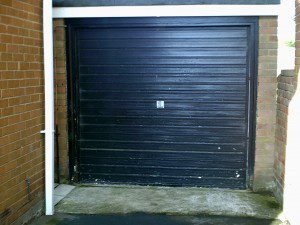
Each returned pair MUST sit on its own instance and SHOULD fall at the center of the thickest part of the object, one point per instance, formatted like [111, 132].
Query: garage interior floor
[122, 200]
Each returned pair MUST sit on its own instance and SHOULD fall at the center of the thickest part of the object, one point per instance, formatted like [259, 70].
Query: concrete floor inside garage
[175, 201]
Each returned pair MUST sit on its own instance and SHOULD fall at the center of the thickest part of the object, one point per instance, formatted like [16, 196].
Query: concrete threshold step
[121, 199]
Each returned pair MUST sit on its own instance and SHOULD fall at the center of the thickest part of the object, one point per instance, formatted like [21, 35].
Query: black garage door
[162, 101]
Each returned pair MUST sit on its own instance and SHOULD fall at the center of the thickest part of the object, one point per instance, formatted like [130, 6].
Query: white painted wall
[286, 60]
[286, 32]
[291, 196]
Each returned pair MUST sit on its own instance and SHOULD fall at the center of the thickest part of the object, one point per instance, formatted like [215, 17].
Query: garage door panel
[201, 74]
[202, 147]
[169, 155]
[158, 145]
[205, 121]
[162, 129]
[166, 181]
[162, 87]
[166, 61]
[157, 43]
[163, 113]
[191, 69]
[199, 96]
[171, 105]
[97, 170]
[150, 78]
[145, 53]
[177, 163]
[159, 138]
[156, 22]
[168, 32]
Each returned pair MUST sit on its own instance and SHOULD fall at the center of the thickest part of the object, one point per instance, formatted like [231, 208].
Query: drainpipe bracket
[45, 131]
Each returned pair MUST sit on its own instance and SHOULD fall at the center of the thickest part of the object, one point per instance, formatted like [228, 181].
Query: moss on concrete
[53, 221]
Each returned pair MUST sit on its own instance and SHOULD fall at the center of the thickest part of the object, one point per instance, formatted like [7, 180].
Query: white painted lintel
[163, 11]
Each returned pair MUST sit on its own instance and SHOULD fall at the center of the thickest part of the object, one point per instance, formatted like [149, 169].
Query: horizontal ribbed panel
[197, 139]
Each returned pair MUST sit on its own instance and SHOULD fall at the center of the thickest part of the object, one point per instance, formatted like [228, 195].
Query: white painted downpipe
[49, 105]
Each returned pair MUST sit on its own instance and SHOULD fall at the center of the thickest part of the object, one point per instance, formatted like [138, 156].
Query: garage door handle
[160, 104]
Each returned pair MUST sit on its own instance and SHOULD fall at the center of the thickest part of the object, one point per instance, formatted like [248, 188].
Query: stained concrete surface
[120, 200]
[146, 219]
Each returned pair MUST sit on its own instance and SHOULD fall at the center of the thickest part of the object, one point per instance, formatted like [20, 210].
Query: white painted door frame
[114, 11]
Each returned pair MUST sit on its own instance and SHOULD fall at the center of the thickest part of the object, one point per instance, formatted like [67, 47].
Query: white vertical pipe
[49, 105]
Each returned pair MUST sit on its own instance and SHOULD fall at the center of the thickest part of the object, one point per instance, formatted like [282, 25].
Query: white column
[49, 105]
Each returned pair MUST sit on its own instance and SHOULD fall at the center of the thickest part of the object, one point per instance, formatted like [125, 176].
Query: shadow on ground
[146, 219]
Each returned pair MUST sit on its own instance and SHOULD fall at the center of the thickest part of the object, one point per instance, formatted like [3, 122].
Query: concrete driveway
[122, 199]
[146, 219]
[145, 205]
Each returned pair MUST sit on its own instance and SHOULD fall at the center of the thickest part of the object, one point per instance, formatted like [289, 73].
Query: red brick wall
[285, 93]
[60, 82]
[21, 107]
[266, 104]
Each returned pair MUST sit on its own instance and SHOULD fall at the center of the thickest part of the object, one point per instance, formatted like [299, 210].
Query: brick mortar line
[26, 3]
[24, 121]
[31, 170]
[27, 79]
[27, 95]
[15, 160]
[22, 45]
[34, 190]
[4, 117]
[21, 149]
[24, 87]
[26, 172]
[20, 96]
[24, 197]
[22, 10]
[17, 44]
[22, 27]
[21, 139]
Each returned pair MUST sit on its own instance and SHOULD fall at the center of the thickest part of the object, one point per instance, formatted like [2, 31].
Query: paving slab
[61, 191]
[112, 199]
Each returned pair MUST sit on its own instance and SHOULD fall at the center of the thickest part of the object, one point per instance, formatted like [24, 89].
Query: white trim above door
[170, 10]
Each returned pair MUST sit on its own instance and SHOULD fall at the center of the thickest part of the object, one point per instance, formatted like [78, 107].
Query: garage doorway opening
[162, 101]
